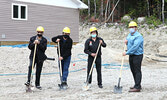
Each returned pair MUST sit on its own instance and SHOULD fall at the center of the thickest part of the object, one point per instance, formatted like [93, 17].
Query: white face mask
[131, 30]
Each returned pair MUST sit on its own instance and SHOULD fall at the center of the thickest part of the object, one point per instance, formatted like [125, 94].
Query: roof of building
[76, 4]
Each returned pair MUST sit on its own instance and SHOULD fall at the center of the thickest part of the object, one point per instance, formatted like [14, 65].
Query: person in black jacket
[91, 46]
[40, 55]
[65, 53]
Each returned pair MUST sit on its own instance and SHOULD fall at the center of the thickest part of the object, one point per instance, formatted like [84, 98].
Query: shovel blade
[86, 87]
[29, 89]
[117, 89]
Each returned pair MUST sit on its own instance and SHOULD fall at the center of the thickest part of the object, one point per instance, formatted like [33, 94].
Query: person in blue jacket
[134, 42]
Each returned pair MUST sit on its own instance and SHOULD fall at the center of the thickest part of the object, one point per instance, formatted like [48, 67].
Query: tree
[89, 8]
[111, 12]
[101, 11]
[95, 9]
[107, 10]
[148, 8]
[163, 3]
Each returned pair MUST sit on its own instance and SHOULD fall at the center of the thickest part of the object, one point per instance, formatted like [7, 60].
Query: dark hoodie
[91, 46]
[65, 45]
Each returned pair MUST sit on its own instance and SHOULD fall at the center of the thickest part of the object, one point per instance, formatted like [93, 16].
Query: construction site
[14, 67]
[45, 45]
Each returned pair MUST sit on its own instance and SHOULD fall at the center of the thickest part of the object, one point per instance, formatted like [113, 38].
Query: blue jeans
[65, 65]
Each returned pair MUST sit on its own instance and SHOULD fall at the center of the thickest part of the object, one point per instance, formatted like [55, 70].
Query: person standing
[134, 42]
[65, 53]
[39, 57]
[91, 46]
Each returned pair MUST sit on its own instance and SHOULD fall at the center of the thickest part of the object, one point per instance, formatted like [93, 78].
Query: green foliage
[141, 34]
[121, 29]
[126, 22]
[148, 33]
[142, 26]
[134, 8]
[152, 20]
[132, 12]
[110, 25]
[151, 27]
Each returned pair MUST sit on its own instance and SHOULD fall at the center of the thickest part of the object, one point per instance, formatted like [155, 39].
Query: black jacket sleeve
[68, 49]
[31, 43]
[55, 38]
[86, 49]
[103, 44]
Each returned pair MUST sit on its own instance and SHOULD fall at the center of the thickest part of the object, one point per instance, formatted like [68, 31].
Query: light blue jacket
[135, 44]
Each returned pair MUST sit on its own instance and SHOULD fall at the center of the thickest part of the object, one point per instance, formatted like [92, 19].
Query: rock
[126, 18]
[116, 24]
[163, 50]
[141, 20]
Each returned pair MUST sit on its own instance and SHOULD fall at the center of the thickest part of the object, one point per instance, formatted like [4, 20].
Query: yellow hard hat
[40, 28]
[93, 29]
[66, 30]
[132, 23]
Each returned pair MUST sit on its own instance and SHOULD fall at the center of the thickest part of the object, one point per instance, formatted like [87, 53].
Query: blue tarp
[22, 46]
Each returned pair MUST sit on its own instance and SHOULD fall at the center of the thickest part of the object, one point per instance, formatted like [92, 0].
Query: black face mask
[65, 36]
[39, 35]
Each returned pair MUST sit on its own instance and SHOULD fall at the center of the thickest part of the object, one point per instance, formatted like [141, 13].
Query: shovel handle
[60, 61]
[94, 61]
[119, 82]
[120, 75]
[35, 48]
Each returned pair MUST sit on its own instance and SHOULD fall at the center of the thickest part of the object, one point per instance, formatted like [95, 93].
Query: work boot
[27, 83]
[134, 90]
[39, 87]
[100, 86]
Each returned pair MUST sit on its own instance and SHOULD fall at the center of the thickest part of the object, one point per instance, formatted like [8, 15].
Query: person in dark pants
[91, 46]
[40, 55]
[65, 53]
[134, 44]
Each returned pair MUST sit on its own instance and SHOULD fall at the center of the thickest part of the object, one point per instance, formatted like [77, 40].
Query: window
[19, 12]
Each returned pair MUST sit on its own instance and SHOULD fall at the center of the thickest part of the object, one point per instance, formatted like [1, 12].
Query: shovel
[60, 68]
[86, 86]
[118, 89]
[30, 88]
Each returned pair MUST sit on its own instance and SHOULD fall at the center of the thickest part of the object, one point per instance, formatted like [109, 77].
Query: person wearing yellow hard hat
[134, 42]
[65, 53]
[91, 46]
[40, 56]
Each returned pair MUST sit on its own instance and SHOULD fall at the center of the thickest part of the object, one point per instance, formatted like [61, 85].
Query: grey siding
[52, 18]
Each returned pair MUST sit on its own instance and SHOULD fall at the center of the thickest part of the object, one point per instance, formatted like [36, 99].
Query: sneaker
[64, 83]
[100, 86]
[39, 87]
[27, 83]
